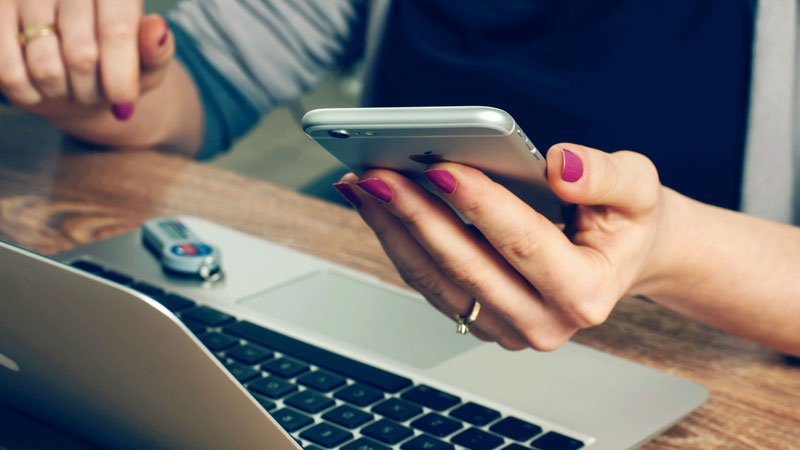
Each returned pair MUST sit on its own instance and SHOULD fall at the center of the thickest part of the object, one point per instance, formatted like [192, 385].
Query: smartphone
[408, 140]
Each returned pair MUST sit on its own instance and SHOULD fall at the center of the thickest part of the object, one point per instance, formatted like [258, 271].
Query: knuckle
[648, 188]
[543, 342]
[466, 271]
[651, 190]
[428, 283]
[645, 164]
[47, 72]
[82, 56]
[519, 248]
[413, 219]
[13, 79]
[383, 233]
[588, 314]
[512, 344]
[117, 30]
[473, 207]
[482, 200]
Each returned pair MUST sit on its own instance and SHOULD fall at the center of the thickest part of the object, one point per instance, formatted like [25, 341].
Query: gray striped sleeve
[272, 50]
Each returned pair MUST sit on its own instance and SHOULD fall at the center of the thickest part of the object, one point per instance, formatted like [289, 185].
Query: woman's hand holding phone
[537, 284]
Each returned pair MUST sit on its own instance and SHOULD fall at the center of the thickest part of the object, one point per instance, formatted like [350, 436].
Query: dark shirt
[665, 78]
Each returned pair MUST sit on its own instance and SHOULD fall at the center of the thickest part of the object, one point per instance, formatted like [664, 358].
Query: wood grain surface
[55, 195]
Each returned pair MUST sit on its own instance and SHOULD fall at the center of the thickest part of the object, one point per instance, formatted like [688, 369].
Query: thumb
[585, 176]
[157, 49]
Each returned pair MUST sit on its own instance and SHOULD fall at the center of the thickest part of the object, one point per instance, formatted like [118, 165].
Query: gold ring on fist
[35, 32]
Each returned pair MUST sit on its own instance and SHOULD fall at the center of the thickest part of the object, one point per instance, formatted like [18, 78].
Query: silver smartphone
[408, 140]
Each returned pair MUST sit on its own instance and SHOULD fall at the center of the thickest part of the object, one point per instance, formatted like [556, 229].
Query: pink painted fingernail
[441, 179]
[377, 189]
[122, 111]
[163, 39]
[349, 194]
[571, 167]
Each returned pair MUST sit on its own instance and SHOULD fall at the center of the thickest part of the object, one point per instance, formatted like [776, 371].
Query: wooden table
[55, 195]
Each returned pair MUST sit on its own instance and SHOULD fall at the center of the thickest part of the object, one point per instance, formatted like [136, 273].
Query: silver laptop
[290, 350]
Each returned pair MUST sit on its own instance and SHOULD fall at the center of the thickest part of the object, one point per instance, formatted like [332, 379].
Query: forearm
[733, 271]
[170, 117]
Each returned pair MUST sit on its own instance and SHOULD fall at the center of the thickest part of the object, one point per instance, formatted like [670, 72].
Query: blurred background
[276, 150]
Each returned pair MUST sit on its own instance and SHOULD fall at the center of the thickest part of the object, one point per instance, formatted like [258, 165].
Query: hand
[103, 56]
[536, 284]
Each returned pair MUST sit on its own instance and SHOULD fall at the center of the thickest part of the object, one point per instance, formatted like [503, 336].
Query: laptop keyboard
[328, 401]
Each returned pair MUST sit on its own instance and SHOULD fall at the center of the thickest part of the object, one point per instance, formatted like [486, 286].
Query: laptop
[291, 351]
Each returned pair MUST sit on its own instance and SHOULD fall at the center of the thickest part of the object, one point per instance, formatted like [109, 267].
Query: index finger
[118, 31]
[532, 244]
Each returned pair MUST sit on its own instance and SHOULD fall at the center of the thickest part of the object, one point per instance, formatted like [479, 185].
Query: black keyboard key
[87, 266]
[273, 387]
[423, 442]
[148, 289]
[358, 371]
[364, 444]
[436, 425]
[241, 372]
[194, 326]
[359, 394]
[267, 404]
[516, 429]
[291, 420]
[321, 380]
[515, 447]
[430, 397]
[116, 277]
[475, 414]
[311, 447]
[174, 302]
[347, 416]
[309, 401]
[217, 341]
[476, 439]
[387, 431]
[397, 409]
[556, 441]
[208, 316]
[326, 435]
[285, 367]
[249, 354]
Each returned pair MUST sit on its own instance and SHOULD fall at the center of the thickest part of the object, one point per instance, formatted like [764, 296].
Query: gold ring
[465, 321]
[37, 31]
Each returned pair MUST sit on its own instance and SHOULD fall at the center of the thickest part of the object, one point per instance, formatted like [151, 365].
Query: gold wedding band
[36, 31]
[465, 321]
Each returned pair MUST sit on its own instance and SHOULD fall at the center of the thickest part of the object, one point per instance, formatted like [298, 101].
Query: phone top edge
[428, 116]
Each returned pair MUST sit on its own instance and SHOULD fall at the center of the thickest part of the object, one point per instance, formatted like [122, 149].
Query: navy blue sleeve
[227, 113]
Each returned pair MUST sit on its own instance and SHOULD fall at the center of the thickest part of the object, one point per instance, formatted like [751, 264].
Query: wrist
[665, 265]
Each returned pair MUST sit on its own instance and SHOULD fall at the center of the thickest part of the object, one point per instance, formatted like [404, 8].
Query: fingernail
[349, 194]
[377, 189]
[122, 111]
[571, 167]
[441, 179]
[163, 39]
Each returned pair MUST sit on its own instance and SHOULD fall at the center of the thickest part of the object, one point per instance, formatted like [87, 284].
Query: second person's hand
[68, 58]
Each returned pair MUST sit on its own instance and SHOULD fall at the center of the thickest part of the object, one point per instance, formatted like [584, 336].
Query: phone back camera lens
[339, 134]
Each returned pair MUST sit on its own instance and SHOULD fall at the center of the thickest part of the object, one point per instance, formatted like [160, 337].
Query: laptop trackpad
[381, 320]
